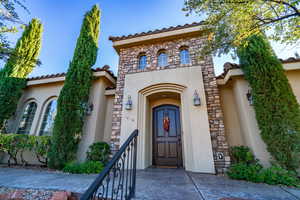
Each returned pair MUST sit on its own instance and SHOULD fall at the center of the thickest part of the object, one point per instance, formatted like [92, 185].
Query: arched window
[162, 59]
[142, 61]
[48, 118]
[185, 56]
[27, 118]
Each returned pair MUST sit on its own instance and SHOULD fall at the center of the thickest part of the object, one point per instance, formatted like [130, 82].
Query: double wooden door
[167, 150]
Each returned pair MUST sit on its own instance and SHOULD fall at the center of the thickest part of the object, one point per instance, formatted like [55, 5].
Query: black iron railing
[118, 178]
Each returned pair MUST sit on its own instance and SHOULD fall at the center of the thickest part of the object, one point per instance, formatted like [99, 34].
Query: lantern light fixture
[128, 105]
[196, 99]
[88, 108]
[249, 97]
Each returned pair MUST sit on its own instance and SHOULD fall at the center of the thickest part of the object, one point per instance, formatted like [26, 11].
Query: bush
[99, 151]
[89, 167]
[246, 167]
[276, 108]
[242, 154]
[15, 145]
[248, 172]
[74, 96]
[277, 175]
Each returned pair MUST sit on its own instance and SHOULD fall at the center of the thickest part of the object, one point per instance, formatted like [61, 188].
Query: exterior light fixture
[128, 105]
[196, 99]
[249, 97]
[88, 108]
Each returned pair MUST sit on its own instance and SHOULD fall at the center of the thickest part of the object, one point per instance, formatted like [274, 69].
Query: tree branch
[268, 20]
[287, 4]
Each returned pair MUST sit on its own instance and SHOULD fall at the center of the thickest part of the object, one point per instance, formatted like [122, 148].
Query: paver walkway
[155, 184]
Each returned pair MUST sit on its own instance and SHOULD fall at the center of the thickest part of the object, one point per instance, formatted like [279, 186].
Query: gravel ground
[29, 194]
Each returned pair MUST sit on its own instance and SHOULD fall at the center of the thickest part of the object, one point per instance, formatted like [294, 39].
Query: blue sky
[62, 21]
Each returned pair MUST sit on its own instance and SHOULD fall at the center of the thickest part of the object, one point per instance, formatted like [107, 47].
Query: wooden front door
[167, 136]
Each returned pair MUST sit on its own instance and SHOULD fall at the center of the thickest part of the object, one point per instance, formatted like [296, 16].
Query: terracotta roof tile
[98, 69]
[171, 28]
[228, 66]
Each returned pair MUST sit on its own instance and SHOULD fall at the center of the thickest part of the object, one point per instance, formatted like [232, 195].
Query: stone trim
[128, 64]
[216, 118]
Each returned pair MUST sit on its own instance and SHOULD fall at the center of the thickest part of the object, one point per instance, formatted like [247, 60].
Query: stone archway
[150, 97]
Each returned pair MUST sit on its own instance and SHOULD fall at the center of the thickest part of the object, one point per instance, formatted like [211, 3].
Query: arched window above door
[142, 61]
[184, 56]
[48, 118]
[162, 58]
[27, 118]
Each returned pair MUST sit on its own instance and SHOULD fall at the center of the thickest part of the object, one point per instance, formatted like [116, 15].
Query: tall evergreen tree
[69, 120]
[276, 107]
[21, 62]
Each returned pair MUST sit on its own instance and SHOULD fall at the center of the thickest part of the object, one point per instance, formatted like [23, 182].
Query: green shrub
[246, 167]
[242, 154]
[15, 145]
[20, 64]
[89, 167]
[99, 151]
[41, 147]
[74, 96]
[277, 175]
[276, 108]
[248, 172]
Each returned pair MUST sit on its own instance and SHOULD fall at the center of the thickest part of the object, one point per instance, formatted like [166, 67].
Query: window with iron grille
[48, 118]
[27, 118]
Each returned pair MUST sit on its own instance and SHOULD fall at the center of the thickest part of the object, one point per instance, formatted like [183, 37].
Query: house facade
[186, 116]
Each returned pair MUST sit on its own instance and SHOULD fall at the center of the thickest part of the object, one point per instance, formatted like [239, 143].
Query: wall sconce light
[128, 105]
[88, 108]
[196, 99]
[249, 97]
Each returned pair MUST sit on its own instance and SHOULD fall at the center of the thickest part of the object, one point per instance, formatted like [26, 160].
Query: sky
[62, 21]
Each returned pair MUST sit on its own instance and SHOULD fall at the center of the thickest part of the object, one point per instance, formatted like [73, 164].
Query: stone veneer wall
[128, 63]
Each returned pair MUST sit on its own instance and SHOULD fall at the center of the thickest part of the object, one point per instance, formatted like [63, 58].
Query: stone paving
[156, 184]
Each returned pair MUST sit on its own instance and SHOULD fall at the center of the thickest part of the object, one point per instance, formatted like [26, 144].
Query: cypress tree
[276, 107]
[69, 120]
[20, 64]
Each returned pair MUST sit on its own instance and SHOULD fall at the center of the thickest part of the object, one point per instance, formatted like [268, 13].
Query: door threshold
[165, 167]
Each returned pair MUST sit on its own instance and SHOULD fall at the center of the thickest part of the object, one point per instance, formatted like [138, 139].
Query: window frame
[27, 103]
[166, 59]
[44, 110]
[142, 55]
[182, 49]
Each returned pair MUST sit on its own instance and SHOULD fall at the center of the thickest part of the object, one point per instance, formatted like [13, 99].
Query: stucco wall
[231, 119]
[128, 65]
[239, 117]
[97, 126]
[195, 127]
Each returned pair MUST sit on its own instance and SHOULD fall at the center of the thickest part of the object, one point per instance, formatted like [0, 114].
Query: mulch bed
[34, 194]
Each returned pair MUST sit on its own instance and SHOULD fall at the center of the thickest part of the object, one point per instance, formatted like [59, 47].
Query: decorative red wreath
[166, 124]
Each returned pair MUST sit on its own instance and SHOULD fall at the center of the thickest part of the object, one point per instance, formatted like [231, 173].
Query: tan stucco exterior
[97, 126]
[223, 119]
[240, 121]
[197, 147]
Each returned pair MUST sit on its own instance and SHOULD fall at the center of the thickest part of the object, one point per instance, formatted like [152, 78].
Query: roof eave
[168, 35]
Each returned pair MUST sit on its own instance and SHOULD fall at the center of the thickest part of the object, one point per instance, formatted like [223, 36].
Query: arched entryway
[166, 136]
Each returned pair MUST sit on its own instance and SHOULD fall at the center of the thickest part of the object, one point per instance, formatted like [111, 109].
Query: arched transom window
[185, 56]
[162, 58]
[48, 118]
[142, 61]
[27, 118]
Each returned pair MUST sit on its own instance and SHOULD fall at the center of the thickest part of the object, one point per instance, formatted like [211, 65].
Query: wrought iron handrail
[118, 179]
